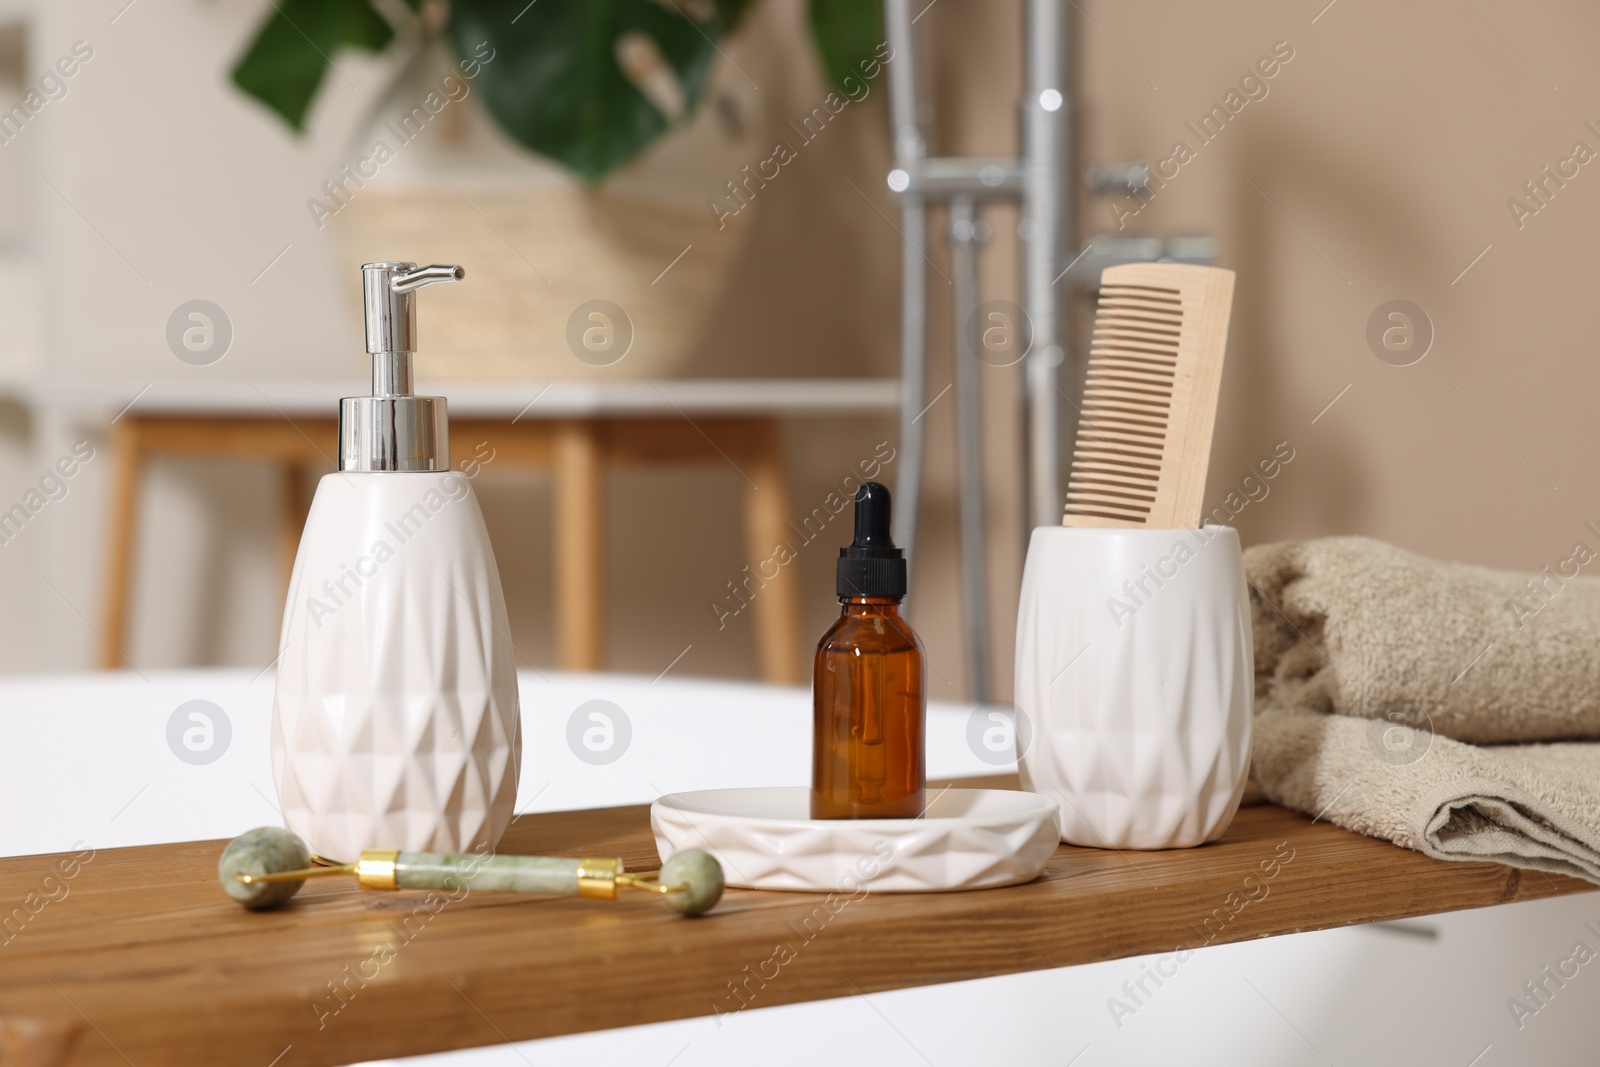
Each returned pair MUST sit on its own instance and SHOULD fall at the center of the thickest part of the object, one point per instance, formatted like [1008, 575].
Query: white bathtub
[86, 758]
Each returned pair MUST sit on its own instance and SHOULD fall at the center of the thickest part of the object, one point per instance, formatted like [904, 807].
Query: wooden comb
[1150, 397]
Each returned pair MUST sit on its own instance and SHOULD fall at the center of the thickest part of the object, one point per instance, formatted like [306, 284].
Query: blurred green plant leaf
[846, 33]
[548, 69]
[286, 63]
[554, 83]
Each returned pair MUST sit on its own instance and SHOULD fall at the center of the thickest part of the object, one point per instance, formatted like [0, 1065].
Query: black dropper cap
[871, 565]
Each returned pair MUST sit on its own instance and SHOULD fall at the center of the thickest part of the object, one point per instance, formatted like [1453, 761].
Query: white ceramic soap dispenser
[395, 724]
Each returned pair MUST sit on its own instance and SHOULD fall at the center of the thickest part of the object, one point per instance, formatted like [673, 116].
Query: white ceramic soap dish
[765, 839]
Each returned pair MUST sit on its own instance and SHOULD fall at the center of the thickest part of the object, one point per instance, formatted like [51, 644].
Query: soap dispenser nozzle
[394, 430]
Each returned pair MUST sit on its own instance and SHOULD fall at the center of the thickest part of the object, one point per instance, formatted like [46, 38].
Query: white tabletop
[481, 399]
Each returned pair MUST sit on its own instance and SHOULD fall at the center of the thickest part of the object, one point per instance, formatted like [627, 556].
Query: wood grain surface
[139, 958]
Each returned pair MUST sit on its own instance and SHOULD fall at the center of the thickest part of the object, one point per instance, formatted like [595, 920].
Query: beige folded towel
[1387, 684]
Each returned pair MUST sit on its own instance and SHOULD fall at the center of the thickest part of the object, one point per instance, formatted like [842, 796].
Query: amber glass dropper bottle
[867, 737]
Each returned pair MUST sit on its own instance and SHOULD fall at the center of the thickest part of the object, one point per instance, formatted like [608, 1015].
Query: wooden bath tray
[145, 961]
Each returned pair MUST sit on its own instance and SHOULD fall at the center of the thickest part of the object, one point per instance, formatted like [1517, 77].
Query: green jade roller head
[266, 866]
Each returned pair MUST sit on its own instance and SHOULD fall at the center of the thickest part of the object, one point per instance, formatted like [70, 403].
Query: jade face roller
[266, 866]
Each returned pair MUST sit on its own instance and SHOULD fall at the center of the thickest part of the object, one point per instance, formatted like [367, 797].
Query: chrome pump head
[393, 429]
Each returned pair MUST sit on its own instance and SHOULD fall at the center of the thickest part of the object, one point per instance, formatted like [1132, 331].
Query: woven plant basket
[539, 246]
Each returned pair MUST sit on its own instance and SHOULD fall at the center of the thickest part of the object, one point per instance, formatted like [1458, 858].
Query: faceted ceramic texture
[765, 839]
[1139, 698]
[395, 724]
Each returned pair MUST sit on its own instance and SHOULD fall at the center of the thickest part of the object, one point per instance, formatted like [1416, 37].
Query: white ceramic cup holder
[1135, 671]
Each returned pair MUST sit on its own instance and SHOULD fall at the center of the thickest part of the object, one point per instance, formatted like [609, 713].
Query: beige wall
[1388, 148]
[1377, 167]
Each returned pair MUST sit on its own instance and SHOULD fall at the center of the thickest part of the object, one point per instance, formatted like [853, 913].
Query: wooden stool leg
[127, 469]
[580, 546]
[766, 518]
[292, 521]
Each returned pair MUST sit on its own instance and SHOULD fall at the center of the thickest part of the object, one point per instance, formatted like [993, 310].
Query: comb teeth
[1150, 396]
[1127, 398]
